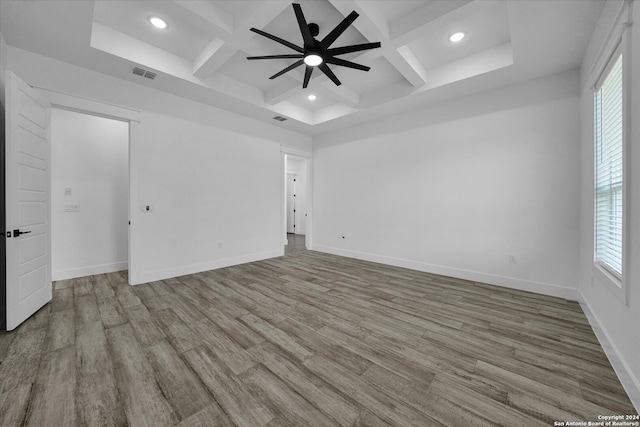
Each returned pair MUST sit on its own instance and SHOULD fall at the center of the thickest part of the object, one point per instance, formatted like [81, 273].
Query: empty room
[320, 213]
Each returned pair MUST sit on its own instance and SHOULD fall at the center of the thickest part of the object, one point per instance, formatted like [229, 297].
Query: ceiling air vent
[143, 73]
[280, 118]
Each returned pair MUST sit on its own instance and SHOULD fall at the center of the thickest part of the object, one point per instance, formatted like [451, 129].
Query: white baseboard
[475, 276]
[152, 276]
[629, 381]
[88, 271]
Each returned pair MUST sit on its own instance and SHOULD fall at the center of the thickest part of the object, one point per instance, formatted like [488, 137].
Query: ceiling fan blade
[292, 56]
[343, 63]
[307, 76]
[304, 27]
[339, 29]
[278, 39]
[352, 48]
[289, 68]
[325, 69]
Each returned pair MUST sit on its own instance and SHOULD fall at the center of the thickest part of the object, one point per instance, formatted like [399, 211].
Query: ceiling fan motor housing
[314, 29]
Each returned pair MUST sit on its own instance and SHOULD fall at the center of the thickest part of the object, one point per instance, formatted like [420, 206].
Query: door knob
[17, 232]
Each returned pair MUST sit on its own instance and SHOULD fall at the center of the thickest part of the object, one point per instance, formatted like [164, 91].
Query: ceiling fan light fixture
[158, 22]
[456, 37]
[317, 53]
[313, 60]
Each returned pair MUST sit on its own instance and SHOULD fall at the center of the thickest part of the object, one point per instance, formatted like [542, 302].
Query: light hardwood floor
[309, 339]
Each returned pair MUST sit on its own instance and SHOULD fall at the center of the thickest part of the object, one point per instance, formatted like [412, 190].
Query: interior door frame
[92, 107]
[306, 156]
[3, 213]
[295, 176]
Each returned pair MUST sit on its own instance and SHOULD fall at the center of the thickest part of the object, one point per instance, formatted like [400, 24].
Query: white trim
[308, 156]
[614, 35]
[627, 121]
[474, 276]
[89, 106]
[629, 382]
[618, 41]
[89, 271]
[152, 276]
[296, 152]
[64, 101]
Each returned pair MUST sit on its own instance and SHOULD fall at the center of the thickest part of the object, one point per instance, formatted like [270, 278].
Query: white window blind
[608, 132]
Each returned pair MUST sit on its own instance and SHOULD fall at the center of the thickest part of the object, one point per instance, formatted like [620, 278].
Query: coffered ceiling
[202, 54]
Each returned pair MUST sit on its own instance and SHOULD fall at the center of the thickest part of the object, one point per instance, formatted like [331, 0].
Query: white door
[28, 195]
[291, 203]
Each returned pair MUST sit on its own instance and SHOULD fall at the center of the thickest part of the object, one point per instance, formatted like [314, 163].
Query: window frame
[610, 270]
[618, 42]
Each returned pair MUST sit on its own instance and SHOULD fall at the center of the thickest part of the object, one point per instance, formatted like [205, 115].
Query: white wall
[216, 197]
[214, 178]
[298, 166]
[615, 323]
[458, 188]
[3, 62]
[90, 155]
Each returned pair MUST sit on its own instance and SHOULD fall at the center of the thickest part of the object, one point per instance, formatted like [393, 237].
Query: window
[608, 176]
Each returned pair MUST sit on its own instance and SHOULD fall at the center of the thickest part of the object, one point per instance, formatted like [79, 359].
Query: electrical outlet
[513, 259]
[147, 208]
[67, 191]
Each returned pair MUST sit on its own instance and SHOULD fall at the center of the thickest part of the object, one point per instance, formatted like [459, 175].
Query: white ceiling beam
[212, 57]
[434, 15]
[281, 92]
[409, 66]
[214, 46]
[340, 94]
[205, 16]
[320, 84]
[372, 24]
[262, 13]
[217, 53]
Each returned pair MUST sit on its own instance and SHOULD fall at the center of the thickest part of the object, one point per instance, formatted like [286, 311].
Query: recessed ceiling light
[312, 97]
[456, 37]
[158, 22]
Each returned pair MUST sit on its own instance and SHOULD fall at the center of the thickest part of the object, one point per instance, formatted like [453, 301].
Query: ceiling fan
[316, 53]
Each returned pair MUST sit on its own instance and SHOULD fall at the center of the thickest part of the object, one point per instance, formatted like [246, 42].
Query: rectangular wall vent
[280, 118]
[143, 73]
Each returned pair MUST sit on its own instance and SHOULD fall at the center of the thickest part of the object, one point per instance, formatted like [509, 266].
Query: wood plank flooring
[308, 339]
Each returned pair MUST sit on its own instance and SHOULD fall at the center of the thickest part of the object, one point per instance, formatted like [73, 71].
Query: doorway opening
[89, 194]
[297, 204]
